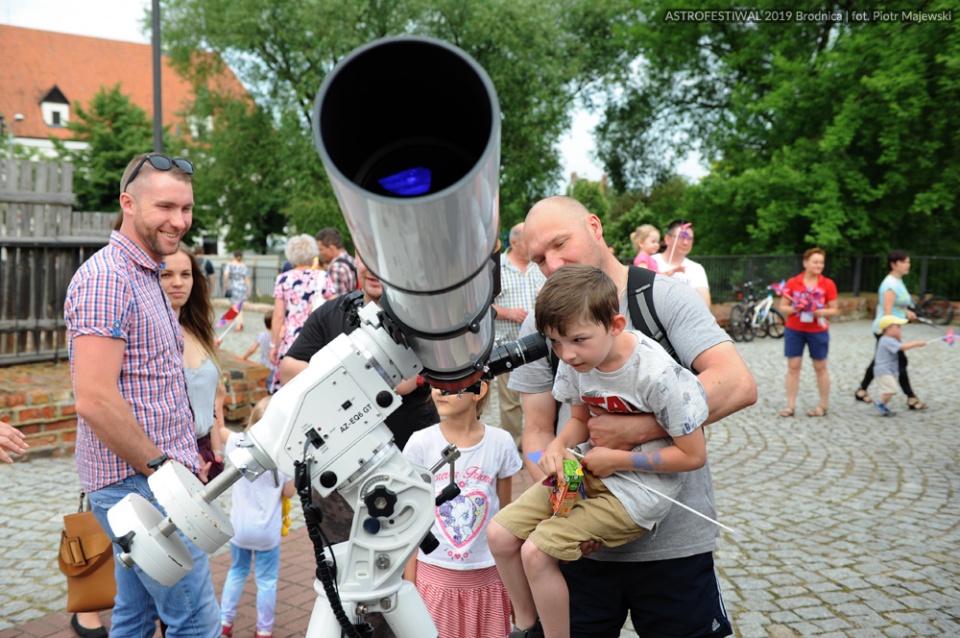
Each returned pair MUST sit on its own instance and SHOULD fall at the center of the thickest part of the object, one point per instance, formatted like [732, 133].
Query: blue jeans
[266, 570]
[189, 608]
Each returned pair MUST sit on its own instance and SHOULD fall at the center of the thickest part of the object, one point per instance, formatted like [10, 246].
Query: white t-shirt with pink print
[461, 524]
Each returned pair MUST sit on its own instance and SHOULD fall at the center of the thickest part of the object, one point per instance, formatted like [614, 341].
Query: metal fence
[263, 274]
[854, 274]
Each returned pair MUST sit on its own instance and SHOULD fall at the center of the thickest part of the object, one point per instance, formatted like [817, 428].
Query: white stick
[673, 246]
[650, 489]
[229, 328]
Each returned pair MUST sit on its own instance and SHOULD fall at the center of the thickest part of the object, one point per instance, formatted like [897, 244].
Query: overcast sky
[120, 20]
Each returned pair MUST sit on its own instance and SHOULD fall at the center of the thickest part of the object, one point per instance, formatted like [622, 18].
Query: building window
[55, 108]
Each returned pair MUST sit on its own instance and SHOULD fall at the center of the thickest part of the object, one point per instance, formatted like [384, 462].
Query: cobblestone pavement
[845, 525]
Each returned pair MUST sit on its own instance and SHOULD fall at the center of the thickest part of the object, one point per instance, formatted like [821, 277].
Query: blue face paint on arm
[646, 461]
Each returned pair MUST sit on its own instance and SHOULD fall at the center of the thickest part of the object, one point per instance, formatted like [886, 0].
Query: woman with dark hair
[894, 299]
[809, 299]
[186, 286]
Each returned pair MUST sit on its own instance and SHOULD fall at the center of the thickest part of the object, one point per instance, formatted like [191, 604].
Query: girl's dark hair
[196, 315]
[894, 256]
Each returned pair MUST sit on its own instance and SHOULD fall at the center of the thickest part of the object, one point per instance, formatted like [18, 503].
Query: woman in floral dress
[293, 297]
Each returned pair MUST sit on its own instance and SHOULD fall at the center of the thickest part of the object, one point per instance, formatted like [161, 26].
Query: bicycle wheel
[937, 309]
[760, 323]
[749, 330]
[775, 325]
[735, 324]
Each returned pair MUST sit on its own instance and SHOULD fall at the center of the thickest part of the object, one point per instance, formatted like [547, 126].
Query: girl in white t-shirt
[257, 518]
[458, 581]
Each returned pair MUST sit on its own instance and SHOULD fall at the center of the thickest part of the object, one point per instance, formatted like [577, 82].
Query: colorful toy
[949, 338]
[565, 492]
[285, 507]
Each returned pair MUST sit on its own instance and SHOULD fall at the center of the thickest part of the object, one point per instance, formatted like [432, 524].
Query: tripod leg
[323, 624]
[410, 618]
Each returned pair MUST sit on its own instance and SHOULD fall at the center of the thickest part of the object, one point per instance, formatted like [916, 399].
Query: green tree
[836, 133]
[541, 56]
[114, 130]
[240, 182]
[595, 196]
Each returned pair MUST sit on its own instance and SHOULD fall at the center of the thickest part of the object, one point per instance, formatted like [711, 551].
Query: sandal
[916, 404]
[861, 395]
[787, 412]
[818, 411]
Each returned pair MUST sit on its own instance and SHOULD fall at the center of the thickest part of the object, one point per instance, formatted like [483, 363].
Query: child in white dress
[458, 581]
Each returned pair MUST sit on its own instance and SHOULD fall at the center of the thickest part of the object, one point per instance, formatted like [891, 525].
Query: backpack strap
[342, 258]
[643, 314]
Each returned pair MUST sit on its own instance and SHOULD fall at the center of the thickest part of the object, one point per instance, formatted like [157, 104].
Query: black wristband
[157, 462]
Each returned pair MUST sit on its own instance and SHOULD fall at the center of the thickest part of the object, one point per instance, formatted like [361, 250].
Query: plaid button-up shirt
[518, 289]
[341, 276]
[117, 294]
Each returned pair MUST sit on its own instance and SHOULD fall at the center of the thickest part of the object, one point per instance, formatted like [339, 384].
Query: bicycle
[739, 329]
[755, 316]
[933, 309]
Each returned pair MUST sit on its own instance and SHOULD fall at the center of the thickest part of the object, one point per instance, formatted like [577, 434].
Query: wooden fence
[42, 243]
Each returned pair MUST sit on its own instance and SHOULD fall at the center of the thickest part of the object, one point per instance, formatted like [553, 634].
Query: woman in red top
[808, 300]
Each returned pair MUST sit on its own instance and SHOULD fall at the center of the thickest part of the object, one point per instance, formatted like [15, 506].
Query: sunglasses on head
[160, 163]
[475, 388]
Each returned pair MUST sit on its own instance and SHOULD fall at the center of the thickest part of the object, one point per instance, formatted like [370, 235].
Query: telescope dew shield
[408, 130]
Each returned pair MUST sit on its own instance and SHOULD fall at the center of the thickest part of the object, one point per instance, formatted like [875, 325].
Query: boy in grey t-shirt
[886, 361]
[622, 371]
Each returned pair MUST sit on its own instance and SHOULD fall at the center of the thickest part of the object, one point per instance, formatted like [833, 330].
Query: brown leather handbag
[86, 559]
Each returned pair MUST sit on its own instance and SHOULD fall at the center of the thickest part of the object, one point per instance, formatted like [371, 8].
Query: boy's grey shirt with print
[650, 381]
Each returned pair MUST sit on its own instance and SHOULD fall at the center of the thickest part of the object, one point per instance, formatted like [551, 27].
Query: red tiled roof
[32, 62]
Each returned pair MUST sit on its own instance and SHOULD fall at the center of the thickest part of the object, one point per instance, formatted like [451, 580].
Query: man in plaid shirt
[341, 269]
[126, 362]
[520, 281]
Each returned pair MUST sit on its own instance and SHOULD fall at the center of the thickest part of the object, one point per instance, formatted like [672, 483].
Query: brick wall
[48, 416]
[246, 384]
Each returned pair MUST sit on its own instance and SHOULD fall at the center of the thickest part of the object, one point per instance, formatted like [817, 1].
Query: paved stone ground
[846, 525]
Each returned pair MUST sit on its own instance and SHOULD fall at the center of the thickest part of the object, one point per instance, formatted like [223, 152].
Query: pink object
[646, 261]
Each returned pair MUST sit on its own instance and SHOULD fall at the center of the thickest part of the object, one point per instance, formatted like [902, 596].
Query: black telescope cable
[313, 517]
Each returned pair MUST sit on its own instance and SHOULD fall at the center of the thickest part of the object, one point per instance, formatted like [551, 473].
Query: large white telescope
[408, 130]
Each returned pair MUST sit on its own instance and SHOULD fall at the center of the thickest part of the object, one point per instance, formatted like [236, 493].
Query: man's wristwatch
[157, 462]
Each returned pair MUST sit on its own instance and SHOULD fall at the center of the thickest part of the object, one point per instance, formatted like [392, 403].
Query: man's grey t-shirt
[692, 330]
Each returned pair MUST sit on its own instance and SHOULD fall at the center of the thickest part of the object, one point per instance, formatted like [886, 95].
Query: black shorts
[672, 598]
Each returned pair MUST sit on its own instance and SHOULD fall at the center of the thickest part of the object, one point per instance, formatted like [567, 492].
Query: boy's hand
[551, 461]
[601, 461]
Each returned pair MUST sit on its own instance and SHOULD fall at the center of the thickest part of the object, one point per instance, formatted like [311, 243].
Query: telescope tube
[408, 130]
